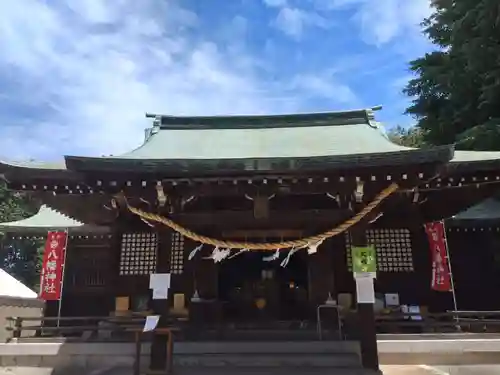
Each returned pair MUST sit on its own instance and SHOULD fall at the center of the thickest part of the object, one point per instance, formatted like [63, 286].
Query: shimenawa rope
[272, 246]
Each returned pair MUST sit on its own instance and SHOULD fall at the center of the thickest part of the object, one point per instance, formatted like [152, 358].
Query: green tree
[409, 137]
[18, 256]
[456, 91]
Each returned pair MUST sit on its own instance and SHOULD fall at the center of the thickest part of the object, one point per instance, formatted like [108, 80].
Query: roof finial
[370, 115]
[156, 119]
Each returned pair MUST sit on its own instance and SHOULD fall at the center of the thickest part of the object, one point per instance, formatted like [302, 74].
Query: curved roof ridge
[305, 119]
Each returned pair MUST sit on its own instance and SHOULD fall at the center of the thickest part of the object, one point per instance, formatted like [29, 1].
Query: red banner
[53, 266]
[441, 278]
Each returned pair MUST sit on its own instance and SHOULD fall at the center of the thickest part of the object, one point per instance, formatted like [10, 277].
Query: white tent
[49, 219]
[16, 299]
[11, 287]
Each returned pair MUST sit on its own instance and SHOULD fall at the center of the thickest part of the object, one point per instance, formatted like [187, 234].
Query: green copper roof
[177, 145]
[35, 165]
[489, 209]
[264, 143]
[475, 156]
[39, 165]
[46, 219]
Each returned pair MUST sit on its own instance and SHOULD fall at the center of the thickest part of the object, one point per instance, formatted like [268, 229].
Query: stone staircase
[305, 355]
[261, 335]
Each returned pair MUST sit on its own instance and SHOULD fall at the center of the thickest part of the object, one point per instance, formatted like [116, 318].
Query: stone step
[289, 354]
[274, 360]
[277, 347]
[263, 335]
[188, 370]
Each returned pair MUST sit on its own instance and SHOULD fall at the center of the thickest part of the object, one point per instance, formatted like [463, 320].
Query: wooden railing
[451, 321]
[77, 327]
[118, 328]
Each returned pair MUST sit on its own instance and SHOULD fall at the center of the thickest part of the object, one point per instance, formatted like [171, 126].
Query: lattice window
[393, 248]
[88, 266]
[138, 253]
[177, 254]
[94, 279]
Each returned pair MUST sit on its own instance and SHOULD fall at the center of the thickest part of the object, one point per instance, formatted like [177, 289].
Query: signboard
[365, 292]
[364, 259]
[53, 266]
[441, 278]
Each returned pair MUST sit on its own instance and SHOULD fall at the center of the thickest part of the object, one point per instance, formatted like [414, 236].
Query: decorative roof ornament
[358, 193]
[370, 115]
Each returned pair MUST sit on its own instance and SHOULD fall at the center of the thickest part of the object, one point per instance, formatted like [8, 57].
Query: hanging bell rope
[270, 246]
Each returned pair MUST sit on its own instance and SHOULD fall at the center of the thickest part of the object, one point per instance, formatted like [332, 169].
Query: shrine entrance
[255, 290]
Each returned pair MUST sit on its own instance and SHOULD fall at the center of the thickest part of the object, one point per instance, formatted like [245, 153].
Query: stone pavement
[387, 370]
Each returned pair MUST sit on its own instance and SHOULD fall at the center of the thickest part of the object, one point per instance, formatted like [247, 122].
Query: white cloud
[381, 21]
[325, 86]
[293, 20]
[84, 74]
[76, 79]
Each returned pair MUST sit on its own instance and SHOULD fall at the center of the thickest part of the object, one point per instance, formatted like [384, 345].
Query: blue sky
[77, 76]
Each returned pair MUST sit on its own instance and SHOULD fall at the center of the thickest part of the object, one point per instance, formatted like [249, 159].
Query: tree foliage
[20, 257]
[456, 91]
[409, 137]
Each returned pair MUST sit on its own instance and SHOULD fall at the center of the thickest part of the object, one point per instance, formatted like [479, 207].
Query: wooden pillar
[160, 307]
[366, 314]
[321, 275]
[115, 249]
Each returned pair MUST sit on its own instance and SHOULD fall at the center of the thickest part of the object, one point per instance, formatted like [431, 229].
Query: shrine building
[254, 217]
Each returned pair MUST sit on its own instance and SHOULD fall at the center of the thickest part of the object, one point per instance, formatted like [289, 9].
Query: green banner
[363, 259]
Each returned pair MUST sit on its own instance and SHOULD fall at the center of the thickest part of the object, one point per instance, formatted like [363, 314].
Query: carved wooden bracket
[260, 206]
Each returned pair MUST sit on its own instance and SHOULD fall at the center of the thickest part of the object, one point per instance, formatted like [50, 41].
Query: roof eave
[12, 166]
[86, 229]
[31, 171]
[441, 154]
[476, 165]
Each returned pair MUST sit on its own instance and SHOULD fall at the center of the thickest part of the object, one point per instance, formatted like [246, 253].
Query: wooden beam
[263, 234]
[295, 219]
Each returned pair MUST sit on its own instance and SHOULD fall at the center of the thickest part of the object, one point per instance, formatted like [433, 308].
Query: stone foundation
[86, 358]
